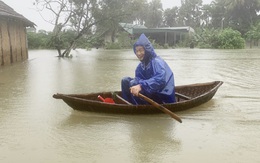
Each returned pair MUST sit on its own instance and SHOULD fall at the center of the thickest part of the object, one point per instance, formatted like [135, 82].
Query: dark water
[34, 127]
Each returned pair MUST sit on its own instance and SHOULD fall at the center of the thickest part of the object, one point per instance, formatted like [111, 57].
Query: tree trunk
[59, 51]
[67, 51]
[113, 35]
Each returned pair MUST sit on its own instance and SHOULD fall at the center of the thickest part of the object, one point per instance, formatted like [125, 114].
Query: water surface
[37, 128]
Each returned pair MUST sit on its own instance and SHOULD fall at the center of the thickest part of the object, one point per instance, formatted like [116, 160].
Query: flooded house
[13, 37]
[163, 35]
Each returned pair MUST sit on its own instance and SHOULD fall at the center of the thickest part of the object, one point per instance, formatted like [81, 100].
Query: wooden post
[18, 43]
[11, 33]
[165, 38]
[23, 39]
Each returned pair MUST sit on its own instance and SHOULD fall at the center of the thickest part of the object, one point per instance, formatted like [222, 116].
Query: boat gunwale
[94, 103]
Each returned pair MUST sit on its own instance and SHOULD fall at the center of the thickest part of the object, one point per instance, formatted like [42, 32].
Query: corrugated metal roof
[163, 30]
[137, 29]
[130, 27]
[8, 12]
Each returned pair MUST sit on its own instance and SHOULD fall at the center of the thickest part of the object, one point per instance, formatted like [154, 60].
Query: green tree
[39, 40]
[253, 34]
[219, 39]
[118, 11]
[230, 39]
[82, 16]
[154, 14]
[218, 15]
[206, 37]
[239, 14]
[171, 17]
[206, 15]
[138, 11]
[190, 12]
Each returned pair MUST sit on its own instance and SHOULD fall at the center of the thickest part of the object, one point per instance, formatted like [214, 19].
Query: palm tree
[240, 14]
[171, 17]
[154, 14]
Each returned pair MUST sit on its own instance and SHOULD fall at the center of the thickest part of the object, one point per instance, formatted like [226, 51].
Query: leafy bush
[230, 39]
[219, 39]
[166, 46]
[112, 45]
[155, 45]
[38, 40]
[124, 40]
[253, 34]
[185, 42]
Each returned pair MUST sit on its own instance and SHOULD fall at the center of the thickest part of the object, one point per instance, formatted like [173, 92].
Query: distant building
[162, 36]
[13, 38]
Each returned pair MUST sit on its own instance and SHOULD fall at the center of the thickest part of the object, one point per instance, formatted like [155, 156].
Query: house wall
[13, 42]
[1, 52]
[162, 38]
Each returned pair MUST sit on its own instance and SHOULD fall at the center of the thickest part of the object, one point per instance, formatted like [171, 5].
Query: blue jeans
[126, 83]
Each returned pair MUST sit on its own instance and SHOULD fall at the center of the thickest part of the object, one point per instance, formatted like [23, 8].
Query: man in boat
[153, 76]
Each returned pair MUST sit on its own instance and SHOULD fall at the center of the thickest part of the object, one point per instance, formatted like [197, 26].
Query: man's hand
[135, 89]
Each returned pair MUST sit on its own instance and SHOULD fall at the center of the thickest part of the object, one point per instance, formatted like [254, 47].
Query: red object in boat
[106, 100]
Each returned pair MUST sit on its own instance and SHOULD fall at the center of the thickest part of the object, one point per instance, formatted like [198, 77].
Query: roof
[163, 30]
[130, 27]
[137, 29]
[8, 12]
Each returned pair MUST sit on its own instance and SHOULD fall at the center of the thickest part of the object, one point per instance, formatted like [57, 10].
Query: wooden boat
[187, 96]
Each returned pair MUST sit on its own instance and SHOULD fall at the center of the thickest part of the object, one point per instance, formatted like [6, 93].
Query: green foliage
[166, 46]
[112, 45]
[236, 14]
[88, 24]
[67, 37]
[38, 40]
[154, 13]
[123, 42]
[253, 33]
[171, 17]
[230, 39]
[44, 40]
[189, 13]
[186, 41]
[219, 39]
[155, 45]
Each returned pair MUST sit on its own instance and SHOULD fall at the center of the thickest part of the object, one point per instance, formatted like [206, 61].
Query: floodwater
[34, 127]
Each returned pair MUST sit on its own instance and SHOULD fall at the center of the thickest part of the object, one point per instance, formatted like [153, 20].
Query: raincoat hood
[149, 50]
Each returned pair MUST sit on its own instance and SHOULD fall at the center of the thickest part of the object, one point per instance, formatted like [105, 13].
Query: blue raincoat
[153, 74]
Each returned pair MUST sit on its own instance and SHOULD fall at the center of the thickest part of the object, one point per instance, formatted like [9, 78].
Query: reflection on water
[37, 128]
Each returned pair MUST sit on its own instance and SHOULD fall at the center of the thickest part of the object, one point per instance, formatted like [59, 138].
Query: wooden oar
[165, 110]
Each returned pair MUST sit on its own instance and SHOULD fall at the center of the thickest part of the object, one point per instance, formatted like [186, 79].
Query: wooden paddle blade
[162, 108]
[174, 116]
